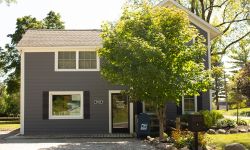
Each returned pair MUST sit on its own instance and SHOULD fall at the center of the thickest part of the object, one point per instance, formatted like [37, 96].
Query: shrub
[242, 122]
[165, 136]
[211, 117]
[226, 123]
[186, 138]
[182, 138]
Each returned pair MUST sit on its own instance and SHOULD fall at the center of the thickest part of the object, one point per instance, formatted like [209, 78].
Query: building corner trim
[22, 94]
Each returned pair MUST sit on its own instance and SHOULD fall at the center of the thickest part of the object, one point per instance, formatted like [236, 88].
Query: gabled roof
[214, 32]
[60, 38]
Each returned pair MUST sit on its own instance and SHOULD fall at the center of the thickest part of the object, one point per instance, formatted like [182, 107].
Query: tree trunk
[160, 114]
[217, 93]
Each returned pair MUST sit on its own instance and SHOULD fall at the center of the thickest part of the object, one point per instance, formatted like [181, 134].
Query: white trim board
[22, 93]
[64, 48]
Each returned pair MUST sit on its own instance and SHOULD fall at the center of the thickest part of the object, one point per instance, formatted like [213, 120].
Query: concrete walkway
[11, 141]
[76, 144]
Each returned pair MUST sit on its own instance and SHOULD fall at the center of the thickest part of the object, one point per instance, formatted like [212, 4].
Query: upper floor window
[87, 60]
[189, 104]
[66, 60]
[76, 61]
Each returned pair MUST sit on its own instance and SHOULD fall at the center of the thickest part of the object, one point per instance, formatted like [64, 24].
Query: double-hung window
[66, 105]
[66, 60]
[189, 104]
[76, 61]
[87, 60]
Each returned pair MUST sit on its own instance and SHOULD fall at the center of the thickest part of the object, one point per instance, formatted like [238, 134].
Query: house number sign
[98, 101]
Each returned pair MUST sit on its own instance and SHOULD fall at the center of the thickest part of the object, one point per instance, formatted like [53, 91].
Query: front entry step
[63, 136]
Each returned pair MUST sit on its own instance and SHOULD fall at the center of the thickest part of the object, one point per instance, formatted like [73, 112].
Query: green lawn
[232, 112]
[9, 125]
[220, 140]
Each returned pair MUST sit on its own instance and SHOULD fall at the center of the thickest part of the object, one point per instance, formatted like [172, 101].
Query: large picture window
[76, 61]
[66, 105]
[189, 104]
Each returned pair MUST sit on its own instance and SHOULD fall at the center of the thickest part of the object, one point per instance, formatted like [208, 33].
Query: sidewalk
[235, 117]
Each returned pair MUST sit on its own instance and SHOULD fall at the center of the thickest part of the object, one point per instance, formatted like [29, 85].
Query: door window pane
[120, 110]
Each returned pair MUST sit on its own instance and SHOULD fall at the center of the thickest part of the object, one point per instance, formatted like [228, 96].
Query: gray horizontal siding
[40, 76]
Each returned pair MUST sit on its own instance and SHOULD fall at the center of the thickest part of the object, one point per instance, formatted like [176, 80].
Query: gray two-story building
[62, 90]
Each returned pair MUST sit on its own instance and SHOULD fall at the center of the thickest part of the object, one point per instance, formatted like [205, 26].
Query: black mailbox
[143, 125]
[196, 123]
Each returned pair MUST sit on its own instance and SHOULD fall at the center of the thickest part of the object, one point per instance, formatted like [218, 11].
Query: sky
[77, 14]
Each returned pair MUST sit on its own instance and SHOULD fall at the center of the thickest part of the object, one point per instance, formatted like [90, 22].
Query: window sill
[65, 117]
[75, 70]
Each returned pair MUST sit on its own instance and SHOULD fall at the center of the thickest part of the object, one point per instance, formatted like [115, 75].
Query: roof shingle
[60, 38]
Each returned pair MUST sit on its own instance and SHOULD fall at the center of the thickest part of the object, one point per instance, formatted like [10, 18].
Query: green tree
[53, 21]
[147, 51]
[10, 58]
[218, 76]
[7, 1]
[240, 54]
[243, 81]
[230, 16]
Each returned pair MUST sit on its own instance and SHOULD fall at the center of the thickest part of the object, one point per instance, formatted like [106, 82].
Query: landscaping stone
[221, 131]
[232, 131]
[234, 146]
[243, 130]
[184, 148]
[170, 147]
[211, 131]
[161, 146]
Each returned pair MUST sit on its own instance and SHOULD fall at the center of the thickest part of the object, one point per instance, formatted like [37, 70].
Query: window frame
[51, 93]
[77, 60]
[183, 105]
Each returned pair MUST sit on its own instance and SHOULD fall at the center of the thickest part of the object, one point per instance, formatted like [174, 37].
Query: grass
[220, 140]
[9, 125]
[233, 112]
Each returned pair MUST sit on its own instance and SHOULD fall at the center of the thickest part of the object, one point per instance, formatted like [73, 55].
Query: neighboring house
[62, 90]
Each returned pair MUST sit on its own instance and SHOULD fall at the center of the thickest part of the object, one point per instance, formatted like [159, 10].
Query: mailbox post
[196, 124]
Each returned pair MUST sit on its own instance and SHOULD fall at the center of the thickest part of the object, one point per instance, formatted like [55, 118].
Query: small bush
[222, 123]
[182, 138]
[186, 138]
[211, 117]
[242, 122]
[165, 136]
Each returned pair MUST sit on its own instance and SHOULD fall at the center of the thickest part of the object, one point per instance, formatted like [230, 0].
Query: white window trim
[195, 105]
[77, 62]
[51, 93]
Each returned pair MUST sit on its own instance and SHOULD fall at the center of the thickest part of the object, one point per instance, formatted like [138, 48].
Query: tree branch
[219, 6]
[210, 10]
[232, 43]
[232, 21]
[202, 9]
